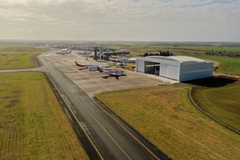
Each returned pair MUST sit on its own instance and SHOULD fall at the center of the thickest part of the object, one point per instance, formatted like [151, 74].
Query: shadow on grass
[213, 81]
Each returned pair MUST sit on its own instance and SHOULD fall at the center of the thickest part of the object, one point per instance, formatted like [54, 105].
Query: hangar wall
[180, 68]
[195, 71]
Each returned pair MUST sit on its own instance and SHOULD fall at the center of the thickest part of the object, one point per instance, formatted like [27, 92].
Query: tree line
[224, 54]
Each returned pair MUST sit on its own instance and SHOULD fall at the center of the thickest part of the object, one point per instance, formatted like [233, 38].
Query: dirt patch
[6, 97]
[9, 128]
[16, 91]
[12, 103]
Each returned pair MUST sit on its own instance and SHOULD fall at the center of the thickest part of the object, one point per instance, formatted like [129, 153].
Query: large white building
[180, 68]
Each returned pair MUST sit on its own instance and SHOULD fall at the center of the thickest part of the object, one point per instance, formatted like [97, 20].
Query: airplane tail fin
[79, 64]
[99, 69]
[76, 63]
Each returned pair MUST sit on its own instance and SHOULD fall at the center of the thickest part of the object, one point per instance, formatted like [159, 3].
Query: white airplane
[64, 51]
[111, 72]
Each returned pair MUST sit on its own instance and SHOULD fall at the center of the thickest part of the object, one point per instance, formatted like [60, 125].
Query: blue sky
[121, 20]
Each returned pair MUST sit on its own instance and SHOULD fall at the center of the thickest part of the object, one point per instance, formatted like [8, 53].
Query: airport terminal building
[180, 68]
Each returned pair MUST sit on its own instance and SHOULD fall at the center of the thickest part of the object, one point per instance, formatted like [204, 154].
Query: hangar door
[169, 71]
[152, 67]
[140, 66]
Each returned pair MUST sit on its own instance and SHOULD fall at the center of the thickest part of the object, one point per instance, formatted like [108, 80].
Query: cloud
[121, 19]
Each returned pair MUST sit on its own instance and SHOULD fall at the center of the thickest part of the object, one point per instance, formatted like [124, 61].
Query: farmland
[32, 124]
[18, 56]
[165, 116]
[227, 64]
[199, 48]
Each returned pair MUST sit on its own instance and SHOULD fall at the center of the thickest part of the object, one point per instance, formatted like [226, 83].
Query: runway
[109, 139]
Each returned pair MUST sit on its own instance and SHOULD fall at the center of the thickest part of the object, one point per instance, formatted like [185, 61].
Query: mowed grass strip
[221, 102]
[18, 56]
[32, 123]
[164, 116]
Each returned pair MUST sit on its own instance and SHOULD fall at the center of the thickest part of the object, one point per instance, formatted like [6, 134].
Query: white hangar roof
[180, 59]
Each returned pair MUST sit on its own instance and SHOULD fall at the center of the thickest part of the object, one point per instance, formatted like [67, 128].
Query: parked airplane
[90, 66]
[111, 72]
[64, 51]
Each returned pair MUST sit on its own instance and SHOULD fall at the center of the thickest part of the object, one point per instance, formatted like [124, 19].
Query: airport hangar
[180, 68]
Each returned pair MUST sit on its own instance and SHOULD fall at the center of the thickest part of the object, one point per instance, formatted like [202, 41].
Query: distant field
[32, 123]
[200, 48]
[18, 56]
[155, 49]
[165, 116]
[114, 47]
[227, 64]
[20, 48]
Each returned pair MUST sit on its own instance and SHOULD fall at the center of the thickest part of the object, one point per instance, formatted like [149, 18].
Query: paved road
[108, 138]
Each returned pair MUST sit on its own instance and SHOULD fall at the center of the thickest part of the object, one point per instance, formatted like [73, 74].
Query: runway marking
[128, 132]
[77, 120]
[91, 116]
[102, 127]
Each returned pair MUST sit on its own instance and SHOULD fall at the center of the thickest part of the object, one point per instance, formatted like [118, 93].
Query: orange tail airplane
[80, 65]
[90, 66]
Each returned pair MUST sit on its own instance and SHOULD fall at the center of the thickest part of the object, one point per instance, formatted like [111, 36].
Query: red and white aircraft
[81, 65]
[90, 66]
[111, 72]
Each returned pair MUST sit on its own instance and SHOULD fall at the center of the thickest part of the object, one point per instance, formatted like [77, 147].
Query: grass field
[200, 48]
[18, 56]
[165, 116]
[227, 64]
[33, 126]
[222, 102]
[32, 123]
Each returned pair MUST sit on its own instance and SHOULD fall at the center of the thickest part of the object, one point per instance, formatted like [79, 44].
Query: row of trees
[167, 53]
[225, 54]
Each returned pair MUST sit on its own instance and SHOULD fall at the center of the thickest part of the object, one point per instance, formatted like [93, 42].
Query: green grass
[165, 117]
[200, 48]
[18, 56]
[20, 48]
[221, 102]
[32, 123]
[114, 47]
[227, 64]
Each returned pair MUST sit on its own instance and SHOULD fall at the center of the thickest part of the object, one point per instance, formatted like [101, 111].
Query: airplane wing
[113, 74]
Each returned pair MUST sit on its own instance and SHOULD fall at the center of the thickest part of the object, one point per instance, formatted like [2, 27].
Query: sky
[121, 20]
